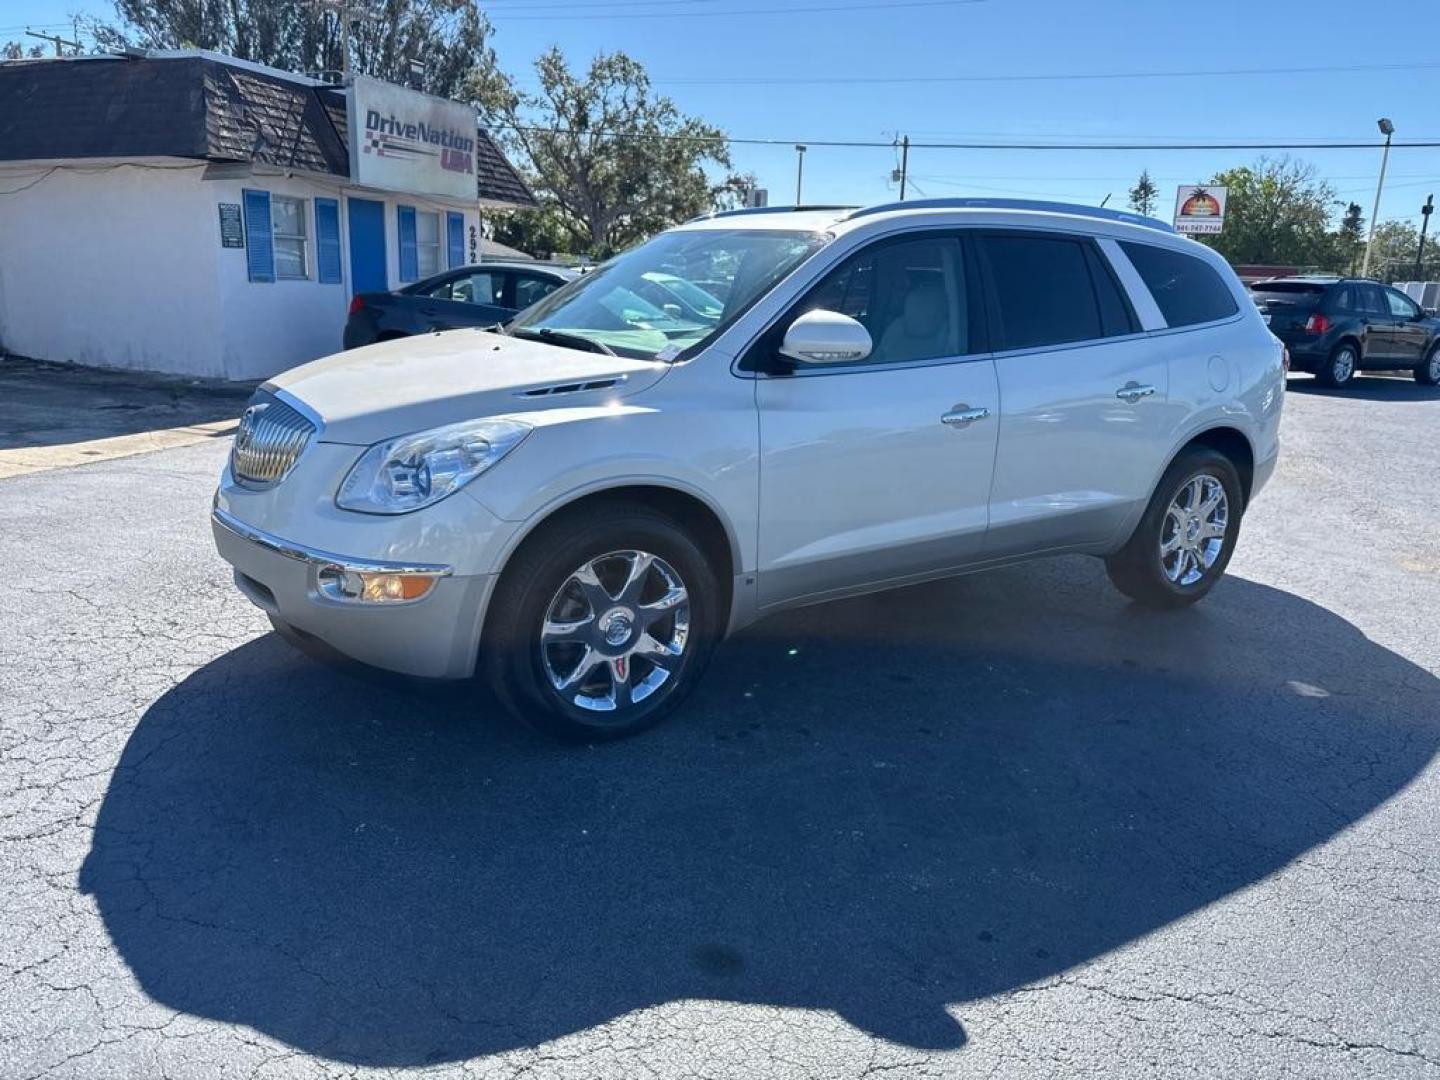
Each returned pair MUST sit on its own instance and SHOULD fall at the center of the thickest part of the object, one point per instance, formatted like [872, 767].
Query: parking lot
[1007, 825]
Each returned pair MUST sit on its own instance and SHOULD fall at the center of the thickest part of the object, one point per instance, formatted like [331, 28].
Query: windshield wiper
[561, 337]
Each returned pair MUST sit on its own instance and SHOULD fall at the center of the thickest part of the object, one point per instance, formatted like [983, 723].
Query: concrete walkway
[53, 416]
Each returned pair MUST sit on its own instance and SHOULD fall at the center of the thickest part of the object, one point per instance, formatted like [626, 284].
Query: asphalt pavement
[1007, 825]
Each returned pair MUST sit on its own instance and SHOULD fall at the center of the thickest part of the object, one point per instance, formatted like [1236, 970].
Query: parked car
[480, 295]
[1337, 326]
[890, 395]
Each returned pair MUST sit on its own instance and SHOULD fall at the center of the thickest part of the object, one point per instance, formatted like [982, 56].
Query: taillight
[356, 304]
[1317, 324]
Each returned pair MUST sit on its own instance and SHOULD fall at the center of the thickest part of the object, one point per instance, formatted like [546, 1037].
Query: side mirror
[826, 337]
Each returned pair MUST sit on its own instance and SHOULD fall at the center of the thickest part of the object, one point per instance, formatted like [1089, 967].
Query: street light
[1387, 129]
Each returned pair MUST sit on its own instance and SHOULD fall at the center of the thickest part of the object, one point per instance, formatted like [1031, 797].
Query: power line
[1073, 76]
[978, 145]
[827, 9]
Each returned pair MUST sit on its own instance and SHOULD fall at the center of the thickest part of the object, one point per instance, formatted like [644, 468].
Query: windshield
[673, 293]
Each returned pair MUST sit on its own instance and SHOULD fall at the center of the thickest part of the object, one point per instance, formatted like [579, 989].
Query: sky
[1155, 73]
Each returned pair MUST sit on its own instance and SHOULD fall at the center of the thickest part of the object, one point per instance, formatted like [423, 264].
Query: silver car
[581, 507]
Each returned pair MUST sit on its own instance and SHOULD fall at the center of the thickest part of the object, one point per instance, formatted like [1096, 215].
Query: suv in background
[1335, 327]
[480, 295]
[886, 396]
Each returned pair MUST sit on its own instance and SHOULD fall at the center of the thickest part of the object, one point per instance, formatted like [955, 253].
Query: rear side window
[1371, 300]
[1045, 292]
[1186, 289]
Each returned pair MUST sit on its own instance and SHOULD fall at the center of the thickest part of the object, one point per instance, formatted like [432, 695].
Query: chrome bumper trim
[290, 550]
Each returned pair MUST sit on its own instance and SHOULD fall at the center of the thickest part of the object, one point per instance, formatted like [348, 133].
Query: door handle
[1133, 392]
[963, 416]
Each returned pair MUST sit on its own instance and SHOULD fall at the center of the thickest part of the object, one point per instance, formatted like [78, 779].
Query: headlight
[404, 474]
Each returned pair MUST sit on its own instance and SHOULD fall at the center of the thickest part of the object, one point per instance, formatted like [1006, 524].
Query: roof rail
[770, 210]
[1017, 204]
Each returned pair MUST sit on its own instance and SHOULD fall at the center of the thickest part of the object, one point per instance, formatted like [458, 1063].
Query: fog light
[338, 583]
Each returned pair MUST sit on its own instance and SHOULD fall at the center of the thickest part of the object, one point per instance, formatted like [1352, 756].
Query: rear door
[1083, 421]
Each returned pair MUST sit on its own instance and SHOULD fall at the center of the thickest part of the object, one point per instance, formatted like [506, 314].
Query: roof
[494, 251]
[1008, 213]
[195, 105]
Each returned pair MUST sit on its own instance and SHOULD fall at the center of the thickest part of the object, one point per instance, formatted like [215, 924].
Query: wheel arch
[1230, 441]
[690, 510]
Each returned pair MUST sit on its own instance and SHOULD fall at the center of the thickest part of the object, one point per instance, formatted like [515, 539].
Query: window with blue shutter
[409, 261]
[327, 241]
[259, 242]
[455, 238]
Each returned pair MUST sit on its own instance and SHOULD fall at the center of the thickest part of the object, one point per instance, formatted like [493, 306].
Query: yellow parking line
[33, 459]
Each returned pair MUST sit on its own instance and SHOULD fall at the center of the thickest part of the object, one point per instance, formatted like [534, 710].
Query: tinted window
[1293, 294]
[1401, 306]
[1186, 289]
[1371, 302]
[911, 296]
[530, 289]
[1343, 299]
[1311, 287]
[1115, 314]
[1044, 291]
[483, 288]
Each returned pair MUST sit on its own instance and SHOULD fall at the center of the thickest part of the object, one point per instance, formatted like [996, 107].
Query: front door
[367, 245]
[879, 470]
[1084, 421]
[1409, 334]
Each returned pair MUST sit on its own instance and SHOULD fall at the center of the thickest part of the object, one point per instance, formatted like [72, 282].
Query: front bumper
[436, 636]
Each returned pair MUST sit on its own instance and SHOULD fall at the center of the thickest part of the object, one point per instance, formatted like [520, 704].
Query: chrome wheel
[615, 631]
[1193, 534]
[1343, 366]
[1433, 368]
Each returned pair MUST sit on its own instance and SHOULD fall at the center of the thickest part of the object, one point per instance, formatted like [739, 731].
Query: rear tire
[1428, 373]
[617, 601]
[1187, 534]
[1339, 368]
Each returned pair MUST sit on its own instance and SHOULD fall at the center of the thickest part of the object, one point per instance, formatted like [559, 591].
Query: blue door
[367, 245]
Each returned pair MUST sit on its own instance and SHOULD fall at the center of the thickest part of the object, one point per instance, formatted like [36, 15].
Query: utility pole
[1387, 129]
[346, 16]
[904, 165]
[799, 173]
[57, 39]
[1425, 212]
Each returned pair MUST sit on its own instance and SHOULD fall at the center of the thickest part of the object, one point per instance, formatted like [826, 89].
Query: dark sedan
[469, 296]
[1335, 327]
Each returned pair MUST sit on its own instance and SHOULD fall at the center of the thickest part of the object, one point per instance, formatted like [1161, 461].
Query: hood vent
[574, 388]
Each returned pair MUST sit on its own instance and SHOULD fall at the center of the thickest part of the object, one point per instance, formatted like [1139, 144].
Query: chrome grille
[270, 439]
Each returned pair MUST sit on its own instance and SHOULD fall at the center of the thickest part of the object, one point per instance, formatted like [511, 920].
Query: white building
[186, 212]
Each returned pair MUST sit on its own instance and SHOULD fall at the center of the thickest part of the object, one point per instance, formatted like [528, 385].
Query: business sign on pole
[402, 140]
[1199, 209]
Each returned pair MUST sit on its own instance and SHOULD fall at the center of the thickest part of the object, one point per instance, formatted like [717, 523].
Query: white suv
[812, 403]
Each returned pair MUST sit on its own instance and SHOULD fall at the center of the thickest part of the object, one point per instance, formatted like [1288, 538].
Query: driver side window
[1401, 306]
[911, 296]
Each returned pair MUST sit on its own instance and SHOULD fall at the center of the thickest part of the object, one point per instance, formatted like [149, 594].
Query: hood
[411, 384]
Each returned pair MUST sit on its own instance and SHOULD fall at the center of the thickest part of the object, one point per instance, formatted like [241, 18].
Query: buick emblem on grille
[271, 437]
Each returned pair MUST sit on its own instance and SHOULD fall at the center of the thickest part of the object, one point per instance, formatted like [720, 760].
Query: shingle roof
[193, 107]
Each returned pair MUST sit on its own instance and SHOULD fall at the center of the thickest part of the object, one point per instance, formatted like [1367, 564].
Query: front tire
[1186, 537]
[1338, 369]
[602, 623]
[1428, 373]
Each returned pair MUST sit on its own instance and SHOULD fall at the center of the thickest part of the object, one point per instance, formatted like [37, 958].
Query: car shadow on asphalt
[1369, 387]
[884, 807]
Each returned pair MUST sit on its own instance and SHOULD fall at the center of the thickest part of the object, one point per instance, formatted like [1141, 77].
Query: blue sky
[762, 69]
